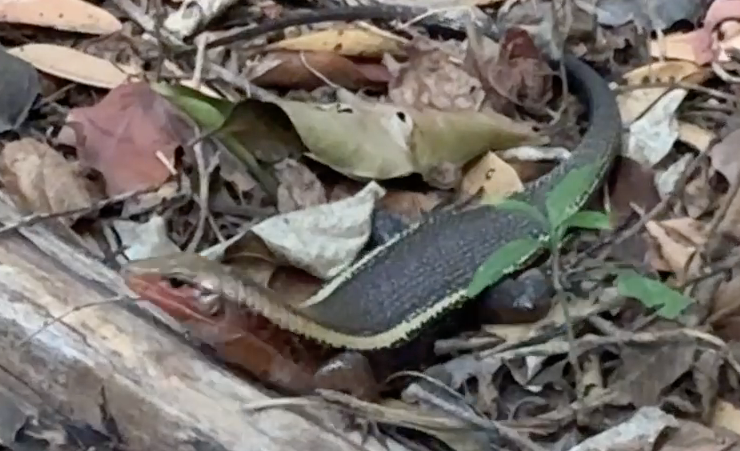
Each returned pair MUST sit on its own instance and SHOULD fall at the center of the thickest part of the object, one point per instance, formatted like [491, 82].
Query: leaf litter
[286, 188]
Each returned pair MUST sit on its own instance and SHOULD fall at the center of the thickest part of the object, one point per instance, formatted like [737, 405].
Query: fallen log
[108, 374]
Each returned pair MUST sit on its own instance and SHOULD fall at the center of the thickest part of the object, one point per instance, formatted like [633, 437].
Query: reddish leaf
[121, 135]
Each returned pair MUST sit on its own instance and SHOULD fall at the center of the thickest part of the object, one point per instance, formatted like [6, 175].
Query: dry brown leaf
[632, 184]
[694, 436]
[68, 15]
[707, 43]
[496, 178]
[409, 204]
[71, 64]
[634, 102]
[725, 156]
[299, 187]
[646, 372]
[349, 40]
[323, 239]
[298, 70]
[677, 240]
[41, 179]
[122, 135]
[726, 307]
[433, 79]
[697, 137]
[727, 416]
[518, 75]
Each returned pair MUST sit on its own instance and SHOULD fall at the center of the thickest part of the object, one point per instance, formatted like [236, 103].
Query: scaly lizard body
[399, 288]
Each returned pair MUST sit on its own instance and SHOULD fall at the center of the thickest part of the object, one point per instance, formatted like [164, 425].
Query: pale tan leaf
[459, 136]
[634, 102]
[323, 239]
[299, 187]
[697, 137]
[71, 64]
[651, 137]
[727, 416]
[496, 178]
[725, 156]
[145, 240]
[677, 241]
[68, 15]
[42, 179]
[349, 40]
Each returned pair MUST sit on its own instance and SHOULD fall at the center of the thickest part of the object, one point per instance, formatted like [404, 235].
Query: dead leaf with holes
[350, 40]
[41, 180]
[311, 70]
[69, 15]
[126, 136]
[376, 141]
[492, 177]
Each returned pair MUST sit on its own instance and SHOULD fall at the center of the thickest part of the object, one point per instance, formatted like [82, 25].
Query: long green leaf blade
[652, 293]
[594, 220]
[560, 201]
[501, 263]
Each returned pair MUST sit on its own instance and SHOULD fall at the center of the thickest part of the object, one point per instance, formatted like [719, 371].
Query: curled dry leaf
[299, 187]
[325, 239]
[41, 179]
[123, 135]
[676, 242]
[310, 70]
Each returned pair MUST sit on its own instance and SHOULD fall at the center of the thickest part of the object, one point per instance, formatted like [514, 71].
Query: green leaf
[518, 205]
[500, 263]
[208, 112]
[588, 220]
[563, 196]
[652, 293]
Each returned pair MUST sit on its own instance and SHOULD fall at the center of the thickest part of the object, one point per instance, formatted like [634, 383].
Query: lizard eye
[211, 303]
